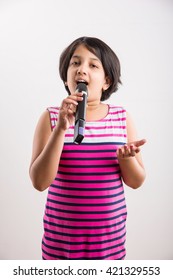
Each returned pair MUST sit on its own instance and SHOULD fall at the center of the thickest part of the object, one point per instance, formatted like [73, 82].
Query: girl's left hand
[130, 149]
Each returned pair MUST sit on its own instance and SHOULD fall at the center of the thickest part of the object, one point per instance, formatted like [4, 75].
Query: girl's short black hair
[109, 59]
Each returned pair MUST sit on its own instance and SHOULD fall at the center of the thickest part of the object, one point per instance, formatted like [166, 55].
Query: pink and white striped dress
[85, 213]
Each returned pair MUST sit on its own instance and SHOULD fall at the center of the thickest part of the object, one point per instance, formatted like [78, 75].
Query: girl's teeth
[82, 81]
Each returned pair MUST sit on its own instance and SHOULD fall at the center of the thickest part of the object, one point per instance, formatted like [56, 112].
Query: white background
[33, 33]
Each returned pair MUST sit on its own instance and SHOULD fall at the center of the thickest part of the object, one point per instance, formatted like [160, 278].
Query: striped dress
[85, 213]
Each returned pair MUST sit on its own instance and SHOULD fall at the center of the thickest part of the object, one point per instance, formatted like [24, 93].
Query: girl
[85, 213]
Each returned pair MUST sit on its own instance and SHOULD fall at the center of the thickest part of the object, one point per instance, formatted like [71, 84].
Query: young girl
[85, 214]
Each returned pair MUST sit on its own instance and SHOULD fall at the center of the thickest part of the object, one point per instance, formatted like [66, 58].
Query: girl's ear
[107, 83]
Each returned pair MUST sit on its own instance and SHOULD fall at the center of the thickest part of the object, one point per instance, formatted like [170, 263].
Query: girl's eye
[94, 66]
[75, 63]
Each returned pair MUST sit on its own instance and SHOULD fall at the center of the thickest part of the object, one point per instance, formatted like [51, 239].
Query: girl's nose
[81, 70]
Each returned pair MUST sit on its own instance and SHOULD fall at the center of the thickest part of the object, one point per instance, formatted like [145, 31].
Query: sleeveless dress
[85, 212]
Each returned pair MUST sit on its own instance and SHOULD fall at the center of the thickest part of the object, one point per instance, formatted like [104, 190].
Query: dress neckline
[105, 117]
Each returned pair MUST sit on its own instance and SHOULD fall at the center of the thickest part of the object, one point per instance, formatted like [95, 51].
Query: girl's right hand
[68, 110]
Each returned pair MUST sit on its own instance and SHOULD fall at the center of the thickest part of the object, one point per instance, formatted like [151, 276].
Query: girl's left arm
[129, 157]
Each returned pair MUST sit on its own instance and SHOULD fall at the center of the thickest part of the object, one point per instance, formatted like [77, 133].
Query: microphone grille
[81, 87]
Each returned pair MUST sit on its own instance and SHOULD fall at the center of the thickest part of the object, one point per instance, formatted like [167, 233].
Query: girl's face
[85, 66]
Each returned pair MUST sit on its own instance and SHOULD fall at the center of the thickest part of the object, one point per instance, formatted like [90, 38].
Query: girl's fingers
[126, 151]
[132, 150]
[120, 153]
[72, 108]
[70, 103]
[77, 96]
[72, 100]
[140, 142]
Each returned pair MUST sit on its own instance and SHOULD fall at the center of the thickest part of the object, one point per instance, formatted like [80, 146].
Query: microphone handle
[79, 130]
[81, 108]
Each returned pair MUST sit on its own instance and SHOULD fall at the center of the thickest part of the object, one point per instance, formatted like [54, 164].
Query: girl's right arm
[47, 148]
[48, 144]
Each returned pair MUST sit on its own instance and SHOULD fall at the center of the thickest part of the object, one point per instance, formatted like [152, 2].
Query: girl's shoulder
[119, 110]
[53, 110]
[53, 113]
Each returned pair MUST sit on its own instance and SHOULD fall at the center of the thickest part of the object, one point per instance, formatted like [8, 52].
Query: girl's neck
[93, 105]
[96, 111]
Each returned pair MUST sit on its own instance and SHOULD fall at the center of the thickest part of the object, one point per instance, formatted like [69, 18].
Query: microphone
[79, 129]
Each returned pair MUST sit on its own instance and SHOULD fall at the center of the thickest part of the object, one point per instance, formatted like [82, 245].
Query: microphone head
[81, 87]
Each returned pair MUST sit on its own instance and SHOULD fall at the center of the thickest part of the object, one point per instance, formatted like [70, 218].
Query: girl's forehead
[83, 51]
